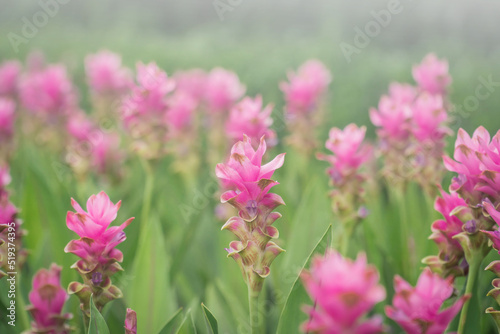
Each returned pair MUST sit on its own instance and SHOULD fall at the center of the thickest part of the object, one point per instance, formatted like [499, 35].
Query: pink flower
[181, 111]
[48, 92]
[97, 240]
[80, 126]
[223, 89]
[47, 301]
[9, 75]
[429, 117]
[131, 322]
[192, 82]
[432, 75]
[306, 87]
[343, 292]
[105, 73]
[249, 180]
[417, 309]
[477, 163]
[106, 152]
[494, 235]
[249, 118]
[4, 178]
[7, 118]
[349, 151]
[394, 113]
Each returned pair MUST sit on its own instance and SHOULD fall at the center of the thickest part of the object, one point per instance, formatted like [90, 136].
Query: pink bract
[432, 75]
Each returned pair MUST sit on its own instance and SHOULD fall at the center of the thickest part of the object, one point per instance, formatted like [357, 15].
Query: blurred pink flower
[97, 240]
[343, 292]
[429, 117]
[7, 118]
[105, 73]
[477, 163]
[47, 301]
[48, 92]
[181, 109]
[223, 89]
[106, 152]
[349, 151]
[432, 75]
[4, 177]
[305, 87]
[80, 126]
[393, 117]
[249, 180]
[9, 76]
[417, 309]
[131, 322]
[192, 82]
[248, 117]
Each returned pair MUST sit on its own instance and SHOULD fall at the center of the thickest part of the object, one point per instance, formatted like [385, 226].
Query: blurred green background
[260, 40]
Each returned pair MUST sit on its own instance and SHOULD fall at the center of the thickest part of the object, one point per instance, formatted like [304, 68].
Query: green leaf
[149, 293]
[187, 326]
[173, 324]
[211, 321]
[292, 316]
[97, 324]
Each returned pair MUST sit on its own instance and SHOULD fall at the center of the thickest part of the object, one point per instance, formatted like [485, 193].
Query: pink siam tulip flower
[456, 214]
[349, 151]
[417, 309]
[181, 112]
[97, 240]
[249, 118]
[429, 117]
[96, 248]
[131, 322]
[106, 154]
[106, 75]
[9, 76]
[80, 126]
[432, 75]
[47, 301]
[223, 89]
[393, 117]
[144, 111]
[48, 92]
[249, 180]
[192, 82]
[306, 87]
[343, 292]
[7, 118]
[477, 163]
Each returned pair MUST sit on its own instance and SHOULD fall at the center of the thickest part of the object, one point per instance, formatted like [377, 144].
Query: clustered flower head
[99, 259]
[249, 118]
[432, 75]
[304, 93]
[192, 82]
[457, 218]
[418, 309]
[105, 74]
[350, 153]
[9, 76]
[143, 111]
[343, 292]
[48, 93]
[222, 90]
[91, 148]
[412, 128]
[10, 229]
[47, 301]
[249, 183]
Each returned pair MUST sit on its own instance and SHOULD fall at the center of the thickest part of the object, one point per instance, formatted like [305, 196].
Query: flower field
[152, 193]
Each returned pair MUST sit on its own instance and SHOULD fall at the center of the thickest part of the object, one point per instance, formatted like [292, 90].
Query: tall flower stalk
[248, 183]
[99, 259]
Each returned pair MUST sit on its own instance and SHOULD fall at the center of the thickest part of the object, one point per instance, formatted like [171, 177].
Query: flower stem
[471, 281]
[23, 316]
[253, 303]
[148, 193]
